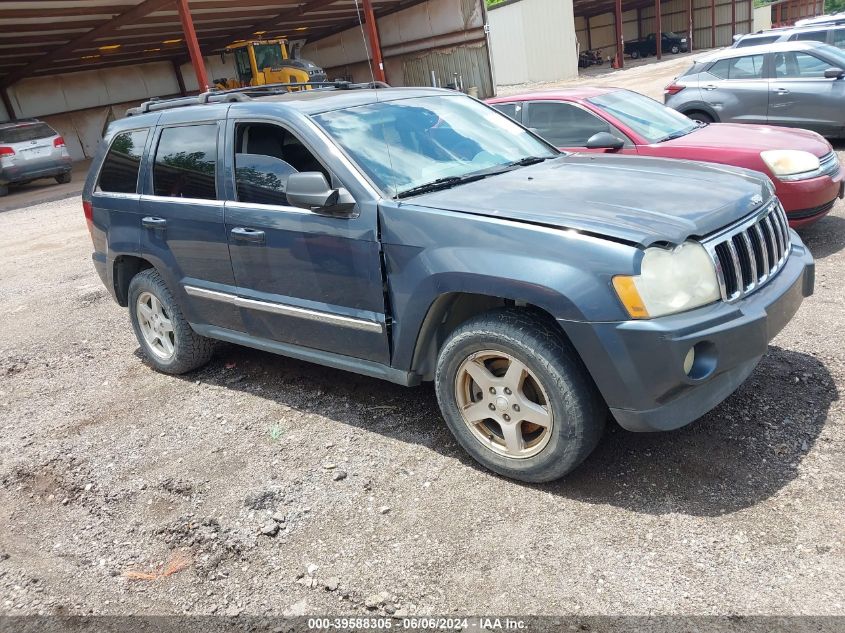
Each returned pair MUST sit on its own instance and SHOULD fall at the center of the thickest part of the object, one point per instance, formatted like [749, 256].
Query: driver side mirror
[605, 140]
[834, 73]
[310, 190]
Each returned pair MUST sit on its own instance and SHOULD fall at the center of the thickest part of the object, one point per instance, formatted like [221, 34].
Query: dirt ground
[271, 486]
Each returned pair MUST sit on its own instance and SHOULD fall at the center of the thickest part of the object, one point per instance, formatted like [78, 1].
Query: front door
[801, 96]
[182, 220]
[737, 89]
[303, 278]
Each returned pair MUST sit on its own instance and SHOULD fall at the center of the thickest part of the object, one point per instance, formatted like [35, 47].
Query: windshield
[268, 56]
[648, 118]
[406, 143]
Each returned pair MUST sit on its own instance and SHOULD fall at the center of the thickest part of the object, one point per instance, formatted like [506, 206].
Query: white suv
[29, 150]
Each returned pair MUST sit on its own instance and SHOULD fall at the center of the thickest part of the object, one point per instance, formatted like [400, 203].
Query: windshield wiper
[675, 135]
[528, 160]
[439, 184]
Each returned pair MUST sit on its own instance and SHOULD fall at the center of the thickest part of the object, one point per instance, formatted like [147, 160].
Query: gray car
[30, 150]
[794, 84]
[416, 234]
[833, 34]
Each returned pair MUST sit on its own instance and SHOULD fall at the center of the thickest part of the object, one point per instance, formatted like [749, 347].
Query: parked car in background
[826, 34]
[415, 234]
[831, 18]
[793, 84]
[672, 43]
[30, 149]
[803, 166]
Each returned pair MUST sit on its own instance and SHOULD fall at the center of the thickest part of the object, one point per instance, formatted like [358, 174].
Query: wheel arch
[699, 106]
[124, 268]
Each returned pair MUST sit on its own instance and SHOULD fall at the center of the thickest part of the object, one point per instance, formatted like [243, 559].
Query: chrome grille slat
[760, 243]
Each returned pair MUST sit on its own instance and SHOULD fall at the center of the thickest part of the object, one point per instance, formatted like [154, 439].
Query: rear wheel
[65, 178]
[700, 116]
[163, 332]
[4, 190]
[516, 396]
[635, 54]
[675, 49]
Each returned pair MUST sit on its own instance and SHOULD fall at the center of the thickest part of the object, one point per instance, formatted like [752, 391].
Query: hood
[754, 138]
[628, 198]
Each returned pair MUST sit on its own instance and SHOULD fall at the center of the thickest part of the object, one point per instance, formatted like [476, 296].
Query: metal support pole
[733, 18]
[620, 45]
[658, 22]
[690, 16]
[4, 96]
[177, 70]
[375, 45]
[712, 23]
[639, 23]
[192, 44]
[589, 35]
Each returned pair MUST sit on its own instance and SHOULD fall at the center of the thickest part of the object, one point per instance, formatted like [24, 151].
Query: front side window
[119, 173]
[747, 67]
[265, 155]
[242, 65]
[798, 65]
[268, 56]
[186, 162]
[406, 143]
[651, 120]
[839, 38]
[564, 124]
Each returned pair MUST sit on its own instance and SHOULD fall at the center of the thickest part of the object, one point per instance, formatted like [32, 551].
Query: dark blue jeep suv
[418, 234]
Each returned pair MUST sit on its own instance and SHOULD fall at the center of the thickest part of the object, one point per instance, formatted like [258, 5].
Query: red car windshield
[648, 118]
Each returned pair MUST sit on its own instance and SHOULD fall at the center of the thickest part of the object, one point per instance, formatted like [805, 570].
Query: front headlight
[791, 164]
[670, 281]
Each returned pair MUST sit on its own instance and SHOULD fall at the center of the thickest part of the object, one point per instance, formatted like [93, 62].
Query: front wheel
[516, 396]
[701, 117]
[635, 54]
[64, 178]
[166, 337]
[676, 50]
[4, 190]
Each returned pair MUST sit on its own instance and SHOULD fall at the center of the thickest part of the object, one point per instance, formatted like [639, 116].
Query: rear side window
[748, 67]
[26, 132]
[119, 173]
[756, 41]
[186, 162]
[810, 36]
[839, 38]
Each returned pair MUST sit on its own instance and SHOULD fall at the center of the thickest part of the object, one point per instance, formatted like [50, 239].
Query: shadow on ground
[826, 237]
[738, 455]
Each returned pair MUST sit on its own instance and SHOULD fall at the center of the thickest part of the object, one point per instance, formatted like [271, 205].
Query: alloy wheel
[504, 404]
[156, 327]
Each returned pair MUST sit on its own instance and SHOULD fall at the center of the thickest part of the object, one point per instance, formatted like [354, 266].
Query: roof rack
[247, 93]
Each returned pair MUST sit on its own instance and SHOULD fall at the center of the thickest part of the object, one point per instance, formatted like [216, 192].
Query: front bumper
[807, 201]
[638, 365]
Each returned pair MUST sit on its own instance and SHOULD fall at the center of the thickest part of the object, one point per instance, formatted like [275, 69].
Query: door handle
[782, 91]
[709, 87]
[243, 234]
[150, 222]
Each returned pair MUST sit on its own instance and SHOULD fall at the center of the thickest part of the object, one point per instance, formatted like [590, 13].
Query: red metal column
[620, 46]
[375, 45]
[658, 23]
[712, 23]
[777, 14]
[639, 23]
[192, 44]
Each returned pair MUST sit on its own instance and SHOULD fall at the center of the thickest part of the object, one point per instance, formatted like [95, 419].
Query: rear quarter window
[26, 132]
[119, 173]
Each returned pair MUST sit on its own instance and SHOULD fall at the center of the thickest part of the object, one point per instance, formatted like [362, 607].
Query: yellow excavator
[260, 62]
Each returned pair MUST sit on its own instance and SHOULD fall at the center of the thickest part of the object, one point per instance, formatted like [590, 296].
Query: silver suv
[29, 150]
[833, 34]
[794, 84]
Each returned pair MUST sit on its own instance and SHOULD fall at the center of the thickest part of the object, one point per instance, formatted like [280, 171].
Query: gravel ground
[262, 485]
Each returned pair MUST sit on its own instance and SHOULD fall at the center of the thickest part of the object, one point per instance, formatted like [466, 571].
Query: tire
[4, 190]
[698, 115]
[676, 50]
[574, 411]
[64, 179]
[635, 54]
[185, 350]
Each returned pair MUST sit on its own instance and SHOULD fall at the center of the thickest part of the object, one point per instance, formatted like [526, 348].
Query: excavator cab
[260, 62]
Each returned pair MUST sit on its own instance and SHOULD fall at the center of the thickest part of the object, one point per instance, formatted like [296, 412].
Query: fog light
[689, 359]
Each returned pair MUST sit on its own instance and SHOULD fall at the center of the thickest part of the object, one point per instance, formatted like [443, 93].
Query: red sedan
[803, 166]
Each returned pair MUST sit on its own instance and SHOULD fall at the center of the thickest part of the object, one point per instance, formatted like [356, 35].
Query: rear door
[303, 278]
[182, 230]
[736, 89]
[801, 96]
[569, 126]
